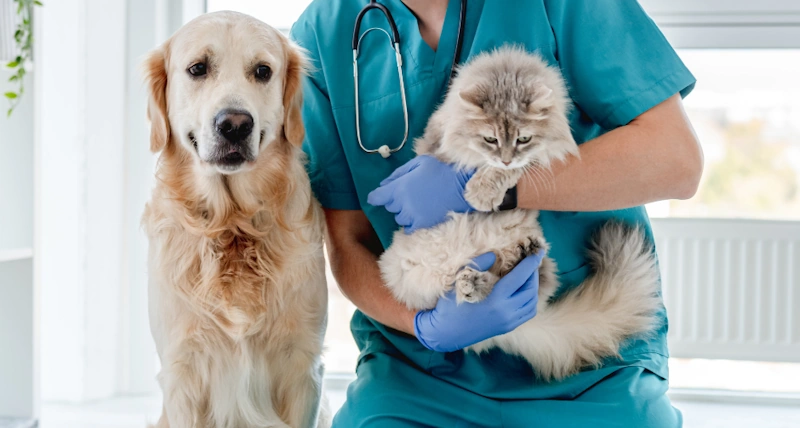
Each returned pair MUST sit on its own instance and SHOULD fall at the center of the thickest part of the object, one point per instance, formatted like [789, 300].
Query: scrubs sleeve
[327, 165]
[616, 61]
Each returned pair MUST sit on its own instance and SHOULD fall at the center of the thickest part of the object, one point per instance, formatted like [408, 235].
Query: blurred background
[75, 173]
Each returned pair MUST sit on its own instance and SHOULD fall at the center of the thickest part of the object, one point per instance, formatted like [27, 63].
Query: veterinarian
[637, 146]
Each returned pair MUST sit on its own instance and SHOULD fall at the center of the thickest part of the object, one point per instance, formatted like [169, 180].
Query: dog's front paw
[484, 195]
[473, 285]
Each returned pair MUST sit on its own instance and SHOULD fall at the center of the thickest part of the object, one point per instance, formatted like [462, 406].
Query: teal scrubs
[617, 65]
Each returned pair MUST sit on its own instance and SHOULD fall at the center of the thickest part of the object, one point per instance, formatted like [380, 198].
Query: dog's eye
[490, 140]
[263, 72]
[198, 70]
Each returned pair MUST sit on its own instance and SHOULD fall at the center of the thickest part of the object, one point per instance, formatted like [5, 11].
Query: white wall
[17, 354]
[16, 167]
[96, 175]
[81, 103]
[16, 336]
[137, 351]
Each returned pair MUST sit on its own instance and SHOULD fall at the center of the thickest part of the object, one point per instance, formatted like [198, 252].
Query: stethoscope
[394, 39]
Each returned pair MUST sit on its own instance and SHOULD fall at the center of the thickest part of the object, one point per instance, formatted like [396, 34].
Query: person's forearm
[356, 271]
[653, 158]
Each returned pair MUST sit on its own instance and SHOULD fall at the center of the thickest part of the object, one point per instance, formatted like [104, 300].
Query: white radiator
[731, 288]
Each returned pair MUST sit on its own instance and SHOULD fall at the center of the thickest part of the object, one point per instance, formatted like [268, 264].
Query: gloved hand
[422, 192]
[451, 326]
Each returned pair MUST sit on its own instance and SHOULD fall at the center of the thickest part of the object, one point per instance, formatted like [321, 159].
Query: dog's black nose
[234, 125]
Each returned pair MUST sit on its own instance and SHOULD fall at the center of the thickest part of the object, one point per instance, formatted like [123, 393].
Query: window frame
[727, 24]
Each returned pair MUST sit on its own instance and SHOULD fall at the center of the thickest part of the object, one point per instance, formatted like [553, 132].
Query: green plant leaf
[11, 110]
[23, 36]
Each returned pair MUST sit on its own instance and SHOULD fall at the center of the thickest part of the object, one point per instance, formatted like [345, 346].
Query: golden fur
[237, 283]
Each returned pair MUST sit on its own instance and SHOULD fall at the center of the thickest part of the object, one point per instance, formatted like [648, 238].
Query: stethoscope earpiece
[385, 151]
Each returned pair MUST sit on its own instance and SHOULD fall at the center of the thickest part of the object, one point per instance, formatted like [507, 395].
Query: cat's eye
[490, 140]
[198, 70]
[524, 140]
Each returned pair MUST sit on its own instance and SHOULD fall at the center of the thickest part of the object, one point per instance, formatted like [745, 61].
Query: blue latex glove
[450, 326]
[422, 192]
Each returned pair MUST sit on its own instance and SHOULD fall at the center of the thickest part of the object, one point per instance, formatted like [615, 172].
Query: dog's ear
[155, 76]
[296, 69]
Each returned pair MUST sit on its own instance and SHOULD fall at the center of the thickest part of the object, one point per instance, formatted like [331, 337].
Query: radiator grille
[731, 288]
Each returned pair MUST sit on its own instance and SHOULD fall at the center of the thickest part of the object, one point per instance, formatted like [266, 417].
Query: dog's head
[223, 88]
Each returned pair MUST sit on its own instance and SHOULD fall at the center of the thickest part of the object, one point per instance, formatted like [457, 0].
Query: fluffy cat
[505, 114]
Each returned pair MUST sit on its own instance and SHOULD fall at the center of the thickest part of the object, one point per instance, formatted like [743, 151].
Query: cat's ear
[544, 92]
[474, 95]
[541, 98]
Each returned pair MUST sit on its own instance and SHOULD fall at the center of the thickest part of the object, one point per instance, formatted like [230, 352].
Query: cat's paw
[532, 245]
[509, 257]
[484, 195]
[473, 285]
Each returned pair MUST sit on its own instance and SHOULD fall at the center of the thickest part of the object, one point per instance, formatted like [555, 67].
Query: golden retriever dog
[237, 292]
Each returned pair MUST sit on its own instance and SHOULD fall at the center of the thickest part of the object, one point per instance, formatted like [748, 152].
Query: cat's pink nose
[506, 163]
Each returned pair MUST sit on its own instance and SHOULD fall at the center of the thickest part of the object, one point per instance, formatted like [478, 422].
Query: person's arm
[352, 250]
[655, 157]
[449, 326]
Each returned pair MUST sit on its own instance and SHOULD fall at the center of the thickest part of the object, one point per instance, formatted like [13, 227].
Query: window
[746, 111]
[746, 56]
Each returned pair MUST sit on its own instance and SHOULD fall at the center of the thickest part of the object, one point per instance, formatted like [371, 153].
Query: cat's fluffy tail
[619, 300]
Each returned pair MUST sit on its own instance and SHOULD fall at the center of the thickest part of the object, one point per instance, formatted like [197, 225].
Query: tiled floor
[137, 411]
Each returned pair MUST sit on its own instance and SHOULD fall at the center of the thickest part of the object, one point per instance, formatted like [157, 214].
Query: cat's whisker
[545, 175]
[527, 173]
[552, 179]
[532, 178]
[541, 178]
[549, 183]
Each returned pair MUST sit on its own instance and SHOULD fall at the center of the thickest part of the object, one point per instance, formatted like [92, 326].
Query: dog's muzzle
[234, 129]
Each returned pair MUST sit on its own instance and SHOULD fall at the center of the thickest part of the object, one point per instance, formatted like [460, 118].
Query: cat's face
[508, 131]
[508, 110]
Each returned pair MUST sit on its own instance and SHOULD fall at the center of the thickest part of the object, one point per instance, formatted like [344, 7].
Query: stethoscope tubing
[385, 151]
